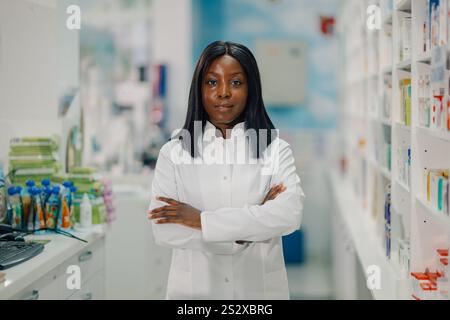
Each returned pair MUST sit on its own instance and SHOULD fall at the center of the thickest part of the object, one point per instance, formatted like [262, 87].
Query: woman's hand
[272, 194]
[176, 212]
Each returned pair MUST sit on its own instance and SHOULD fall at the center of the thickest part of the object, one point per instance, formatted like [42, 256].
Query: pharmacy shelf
[403, 5]
[439, 134]
[440, 217]
[381, 169]
[428, 147]
[366, 243]
[404, 65]
[402, 185]
[424, 57]
[402, 126]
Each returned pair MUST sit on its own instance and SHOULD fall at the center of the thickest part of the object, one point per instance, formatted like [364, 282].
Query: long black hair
[255, 115]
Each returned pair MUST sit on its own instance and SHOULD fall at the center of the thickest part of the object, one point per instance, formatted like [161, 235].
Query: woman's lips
[224, 107]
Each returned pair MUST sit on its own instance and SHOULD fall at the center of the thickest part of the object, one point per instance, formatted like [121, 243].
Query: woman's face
[224, 91]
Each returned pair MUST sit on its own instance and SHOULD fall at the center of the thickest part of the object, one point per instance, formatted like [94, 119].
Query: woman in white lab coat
[223, 196]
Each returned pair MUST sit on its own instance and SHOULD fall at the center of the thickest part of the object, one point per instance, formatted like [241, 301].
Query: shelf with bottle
[436, 193]
[434, 105]
[432, 26]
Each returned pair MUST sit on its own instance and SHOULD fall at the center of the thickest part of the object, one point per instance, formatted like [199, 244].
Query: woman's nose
[223, 92]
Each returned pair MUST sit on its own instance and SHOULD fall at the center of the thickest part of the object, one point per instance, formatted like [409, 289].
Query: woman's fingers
[164, 208]
[163, 214]
[270, 193]
[169, 220]
[274, 192]
[167, 200]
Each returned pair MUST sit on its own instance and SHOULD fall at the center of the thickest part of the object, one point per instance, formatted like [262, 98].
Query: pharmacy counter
[53, 273]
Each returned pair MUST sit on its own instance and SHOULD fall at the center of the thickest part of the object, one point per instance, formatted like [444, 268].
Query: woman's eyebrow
[217, 74]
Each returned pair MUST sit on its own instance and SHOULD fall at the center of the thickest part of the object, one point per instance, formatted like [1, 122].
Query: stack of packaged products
[32, 158]
[434, 105]
[34, 196]
[89, 182]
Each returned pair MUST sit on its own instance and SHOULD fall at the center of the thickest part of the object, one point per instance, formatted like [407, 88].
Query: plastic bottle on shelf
[52, 209]
[64, 220]
[39, 221]
[86, 212]
[16, 206]
[23, 225]
[73, 189]
[46, 191]
[28, 212]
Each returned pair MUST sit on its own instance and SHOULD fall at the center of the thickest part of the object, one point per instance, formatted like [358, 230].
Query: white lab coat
[208, 264]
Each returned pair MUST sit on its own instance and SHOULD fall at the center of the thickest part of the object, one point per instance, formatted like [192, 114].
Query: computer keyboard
[15, 252]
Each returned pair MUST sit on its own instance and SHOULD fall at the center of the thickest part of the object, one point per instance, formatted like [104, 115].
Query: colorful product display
[46, 207]
[436, 185]
[432, 285]
[435, 26]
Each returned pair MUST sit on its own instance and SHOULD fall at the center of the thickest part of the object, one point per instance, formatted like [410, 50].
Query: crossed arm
[179, 225]
[177, 212]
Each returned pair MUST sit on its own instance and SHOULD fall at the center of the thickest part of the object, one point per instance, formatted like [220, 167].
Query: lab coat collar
[237, 131]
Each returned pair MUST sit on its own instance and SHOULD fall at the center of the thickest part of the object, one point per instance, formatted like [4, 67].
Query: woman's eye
[211, 82]
[236, 83]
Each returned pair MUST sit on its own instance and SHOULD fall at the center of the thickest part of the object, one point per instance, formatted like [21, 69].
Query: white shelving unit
[377, 135]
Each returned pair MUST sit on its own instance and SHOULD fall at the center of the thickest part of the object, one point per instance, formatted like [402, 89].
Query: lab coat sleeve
[175, 235]
[275, 218]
